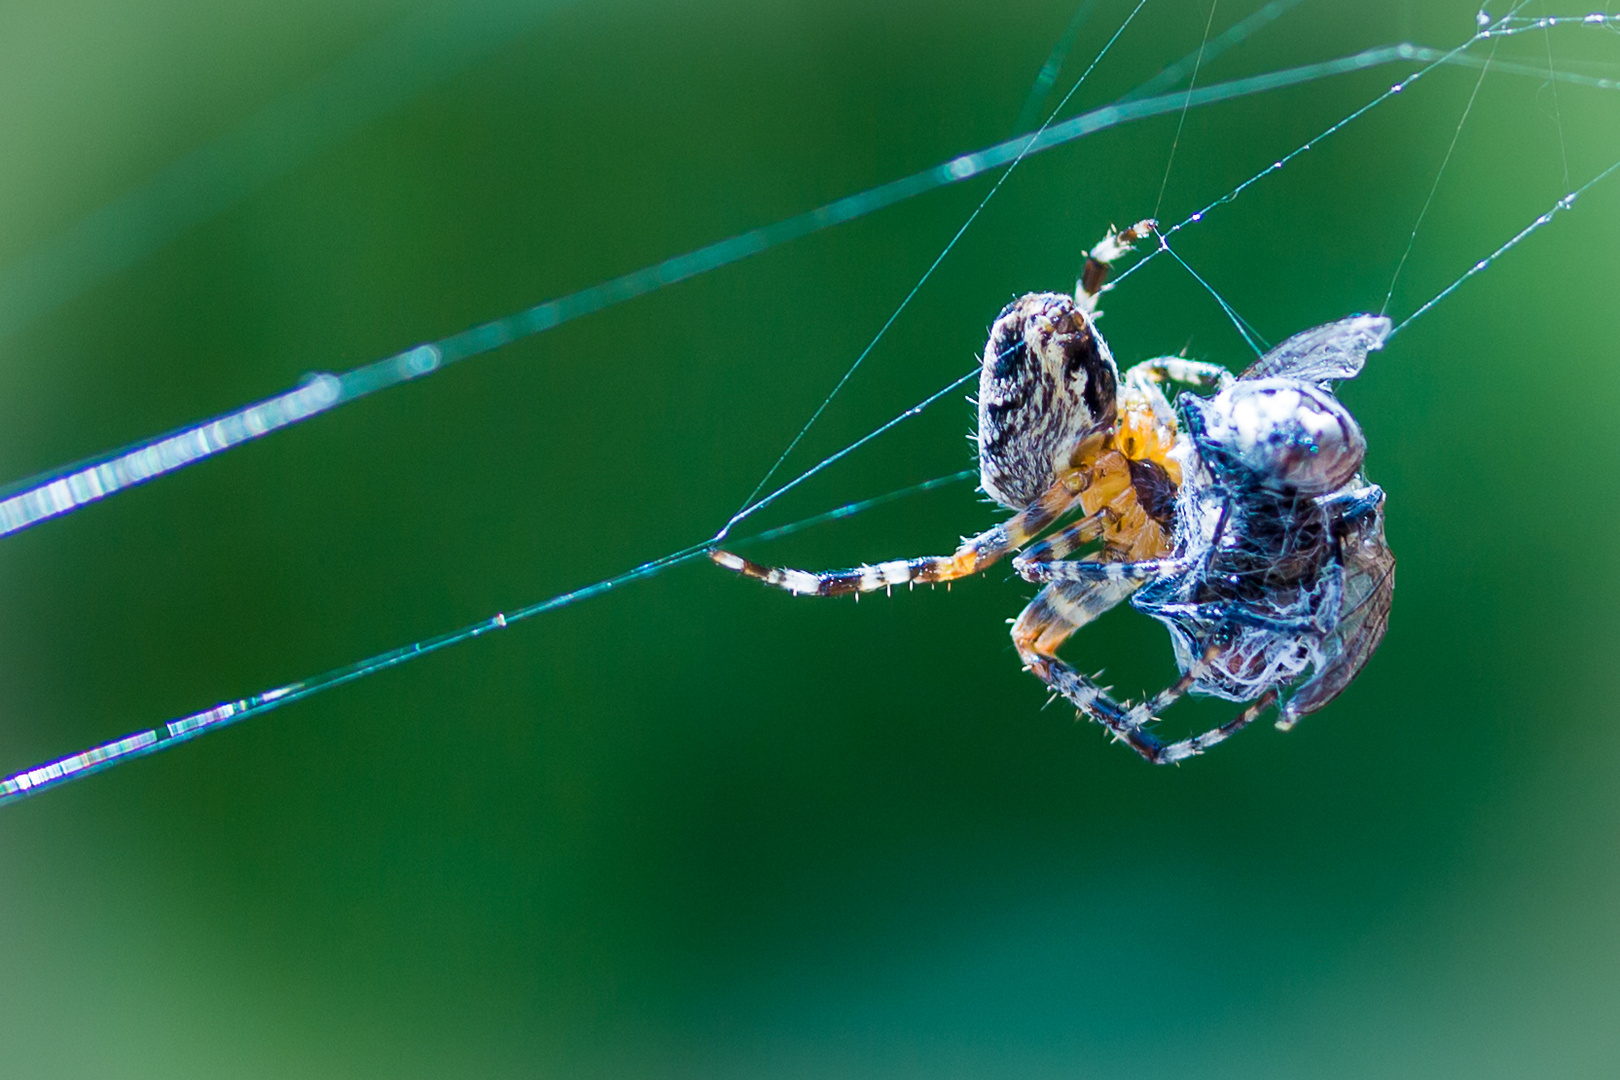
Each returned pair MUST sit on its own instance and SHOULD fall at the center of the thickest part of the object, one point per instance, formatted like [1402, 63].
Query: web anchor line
[1562, 204]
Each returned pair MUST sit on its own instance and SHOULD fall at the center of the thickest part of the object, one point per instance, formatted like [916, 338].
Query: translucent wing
[1369, 587]
[1321, 354]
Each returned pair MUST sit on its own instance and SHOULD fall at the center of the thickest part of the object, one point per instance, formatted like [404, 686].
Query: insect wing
[1324, 353]
[1369, 588]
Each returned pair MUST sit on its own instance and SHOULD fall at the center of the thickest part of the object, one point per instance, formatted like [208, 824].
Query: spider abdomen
[1047, 383]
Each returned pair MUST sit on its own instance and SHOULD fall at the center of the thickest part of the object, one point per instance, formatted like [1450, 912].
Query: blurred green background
[694, 827]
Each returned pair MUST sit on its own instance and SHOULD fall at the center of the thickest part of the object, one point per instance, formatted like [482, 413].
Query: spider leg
[1100, 259]
[1057, 612]
[1186, 748]
[1068, 540]
[1148, 427]
[1091, 570]
[1178, 369]
[975, 554]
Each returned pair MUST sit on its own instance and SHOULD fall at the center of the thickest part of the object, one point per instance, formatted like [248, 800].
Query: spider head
[1048, 381]
[1285, 435]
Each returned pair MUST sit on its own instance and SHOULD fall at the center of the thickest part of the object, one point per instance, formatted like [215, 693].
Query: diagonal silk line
[1539, 223]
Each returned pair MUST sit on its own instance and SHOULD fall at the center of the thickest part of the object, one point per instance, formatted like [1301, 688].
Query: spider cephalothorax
[1261, 547]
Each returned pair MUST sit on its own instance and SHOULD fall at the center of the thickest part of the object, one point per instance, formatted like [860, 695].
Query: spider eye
[1291, 435]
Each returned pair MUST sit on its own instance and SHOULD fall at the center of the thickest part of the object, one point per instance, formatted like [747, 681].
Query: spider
[1060, 431]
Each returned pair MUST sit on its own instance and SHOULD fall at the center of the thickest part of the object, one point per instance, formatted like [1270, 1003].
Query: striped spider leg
[976, 553]
[1062, 608]
[1101, 258]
